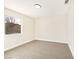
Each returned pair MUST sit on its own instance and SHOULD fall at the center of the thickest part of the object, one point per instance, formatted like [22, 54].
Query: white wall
[27, 30]
[70, 26]
[51, 29]
[57, 28]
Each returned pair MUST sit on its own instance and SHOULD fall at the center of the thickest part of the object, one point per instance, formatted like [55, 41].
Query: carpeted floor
[40, 50]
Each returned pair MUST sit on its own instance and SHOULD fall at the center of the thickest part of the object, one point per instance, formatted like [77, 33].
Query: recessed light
[37, 6]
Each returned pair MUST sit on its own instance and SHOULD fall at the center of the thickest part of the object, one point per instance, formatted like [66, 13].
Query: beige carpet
[40, 50]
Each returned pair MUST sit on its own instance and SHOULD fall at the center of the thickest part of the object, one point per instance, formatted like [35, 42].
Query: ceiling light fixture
[37, 6]
[66, 1]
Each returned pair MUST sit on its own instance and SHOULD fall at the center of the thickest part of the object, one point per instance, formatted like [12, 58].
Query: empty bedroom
[39, 29]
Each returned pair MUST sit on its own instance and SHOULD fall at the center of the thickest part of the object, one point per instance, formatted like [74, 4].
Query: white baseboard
[37, 39]
[57, 42]
[16, 45]
[51, 40]
[71, 50]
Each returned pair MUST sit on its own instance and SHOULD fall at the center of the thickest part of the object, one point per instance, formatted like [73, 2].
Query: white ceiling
[49, 7]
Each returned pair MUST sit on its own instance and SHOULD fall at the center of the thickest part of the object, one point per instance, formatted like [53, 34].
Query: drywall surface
[51, 29]
[71, 26]
[27, 27]
[49, 7]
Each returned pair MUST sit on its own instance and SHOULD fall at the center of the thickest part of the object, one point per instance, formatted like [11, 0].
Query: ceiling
[49, 7]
